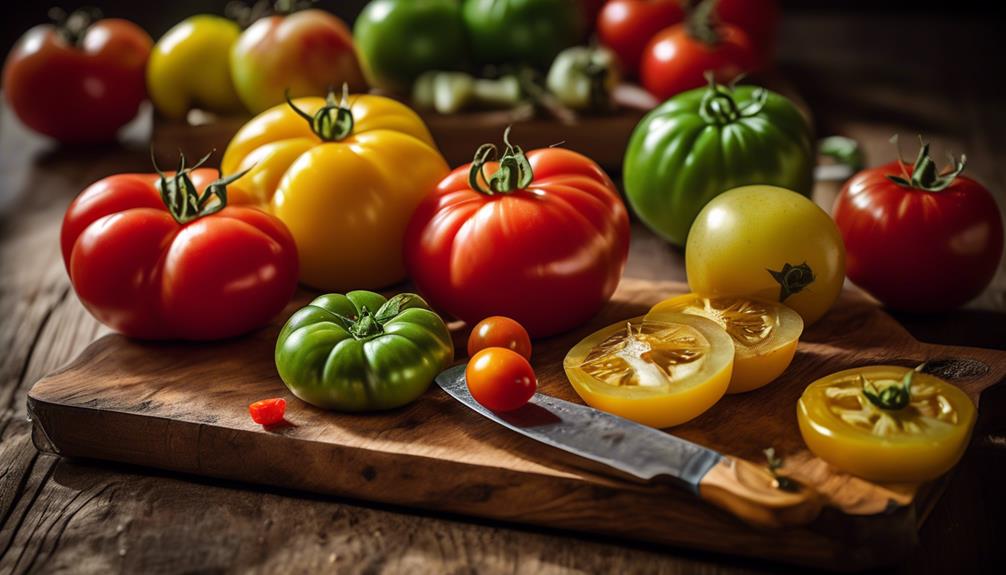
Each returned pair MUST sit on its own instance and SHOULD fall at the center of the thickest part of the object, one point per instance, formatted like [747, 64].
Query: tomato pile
[341, 189]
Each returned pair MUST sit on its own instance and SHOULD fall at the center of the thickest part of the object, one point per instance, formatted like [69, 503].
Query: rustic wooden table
[59, 515]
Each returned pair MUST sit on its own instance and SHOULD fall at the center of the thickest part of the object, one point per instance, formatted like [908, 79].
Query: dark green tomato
[706, 141]
[528, 32]
[398, 40]
[362, 352]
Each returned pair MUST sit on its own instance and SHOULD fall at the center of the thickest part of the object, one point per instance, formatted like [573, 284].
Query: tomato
[306, 53]
[916, 240]
[759, 19]
[79, 81]
[500, 379]
[499, 331]
[678, 58]
[765, 334]
[268, 411]
[706, 141]
[153, 257]
[915, 427]
[514, 32]
[400, 39]
[190, 67]
[344, 182]
[626, 26]
[361, 351]
[543, 240]
[660, 370]
[767, 243]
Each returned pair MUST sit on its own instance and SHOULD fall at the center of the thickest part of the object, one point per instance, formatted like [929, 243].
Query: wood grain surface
[863, 76]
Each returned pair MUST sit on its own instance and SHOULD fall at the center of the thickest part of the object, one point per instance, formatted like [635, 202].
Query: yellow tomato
[660, 370]
[916, 442]
[344, 178]
[768, 243]
[765, 334]
[189, 67]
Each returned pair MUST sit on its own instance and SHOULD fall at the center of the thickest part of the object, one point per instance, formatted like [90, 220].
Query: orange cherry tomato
[500, 379]
[268, 411]
[499, 331]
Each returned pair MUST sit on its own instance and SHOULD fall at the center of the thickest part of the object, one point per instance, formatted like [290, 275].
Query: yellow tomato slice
[765, 334]
[660, 370]
[918, 442]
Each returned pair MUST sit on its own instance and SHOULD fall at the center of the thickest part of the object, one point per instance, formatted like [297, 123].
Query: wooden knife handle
[751, 493]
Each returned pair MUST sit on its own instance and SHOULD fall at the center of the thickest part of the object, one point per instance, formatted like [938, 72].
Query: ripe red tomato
[626, 26]
[157, 273]
[759, 19]
[499, 331]
[919, 242]
[500, 379]
[676, 61]
[543, 240]
[268, 411]
[78, 82]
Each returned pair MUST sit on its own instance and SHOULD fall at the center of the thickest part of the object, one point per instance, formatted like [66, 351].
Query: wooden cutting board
[183, 407]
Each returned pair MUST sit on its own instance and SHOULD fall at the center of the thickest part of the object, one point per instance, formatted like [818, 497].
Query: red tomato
[78, 85]
[500, 379]
[268, 411]
[917, 245]
[546, 249]
[674, 61]
[499, 331]
[626, 26]
[759, 19]
[591, 8]
[141, 272]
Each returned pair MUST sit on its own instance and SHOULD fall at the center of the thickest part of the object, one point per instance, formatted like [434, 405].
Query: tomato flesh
[499, 331]
[268, 411]
[500, 379]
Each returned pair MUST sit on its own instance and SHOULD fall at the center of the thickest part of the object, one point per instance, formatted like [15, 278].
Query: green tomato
[529, 32]
[362, 352]
[703, 142]
[400, 39]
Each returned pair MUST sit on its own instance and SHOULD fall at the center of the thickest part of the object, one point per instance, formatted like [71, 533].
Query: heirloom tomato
[706, 141]
[514, 32]
[79, 80]
[886, 423]
[918, 240]
[500, 379]
[542, 240]
[190, 67]
[361, 351]
[301, 54]
[400, 39]
[660, 370]
[626, 27]
[499, 331]
[164, 257]
[767, 243]
[765, 334]
[344, 177]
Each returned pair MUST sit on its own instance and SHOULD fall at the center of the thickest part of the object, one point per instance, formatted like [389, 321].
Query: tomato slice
[917, 442]
[661, 370]
[765, 334]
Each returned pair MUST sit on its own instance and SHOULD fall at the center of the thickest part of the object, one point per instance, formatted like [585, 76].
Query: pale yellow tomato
[660, 370]
[765, 334]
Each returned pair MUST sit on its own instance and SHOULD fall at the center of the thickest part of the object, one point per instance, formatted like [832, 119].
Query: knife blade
[646, 454]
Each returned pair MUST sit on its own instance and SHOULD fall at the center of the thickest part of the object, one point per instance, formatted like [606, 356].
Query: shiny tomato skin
[500, 379]
[915, 250]
[675, 62]
[141, 273]
[268, 411]
[82, 93]
[548, 256]
[626, 26]
[499, 331]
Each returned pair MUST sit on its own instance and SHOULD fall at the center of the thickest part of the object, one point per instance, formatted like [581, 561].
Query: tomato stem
[333, 121]
[701, 22]
[924, 175]
[719, 106]
[179, 193]
[514, 171]
[891, 398]
[73, 27]
[792, 279]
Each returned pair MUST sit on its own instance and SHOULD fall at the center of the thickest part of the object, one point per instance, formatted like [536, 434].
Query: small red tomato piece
[499, 331]
[268, 411]
[500, 379]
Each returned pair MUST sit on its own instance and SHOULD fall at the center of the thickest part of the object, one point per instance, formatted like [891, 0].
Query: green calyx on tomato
[338, 353]
[925, 175]
[333, 121]
[792, 279]
[514, 171]
[700, 24]
[890, 395]
[183, 199]
[720, 107]
[73, 27]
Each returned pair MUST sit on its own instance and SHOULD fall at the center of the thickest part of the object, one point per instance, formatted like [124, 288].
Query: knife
[644, 454]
